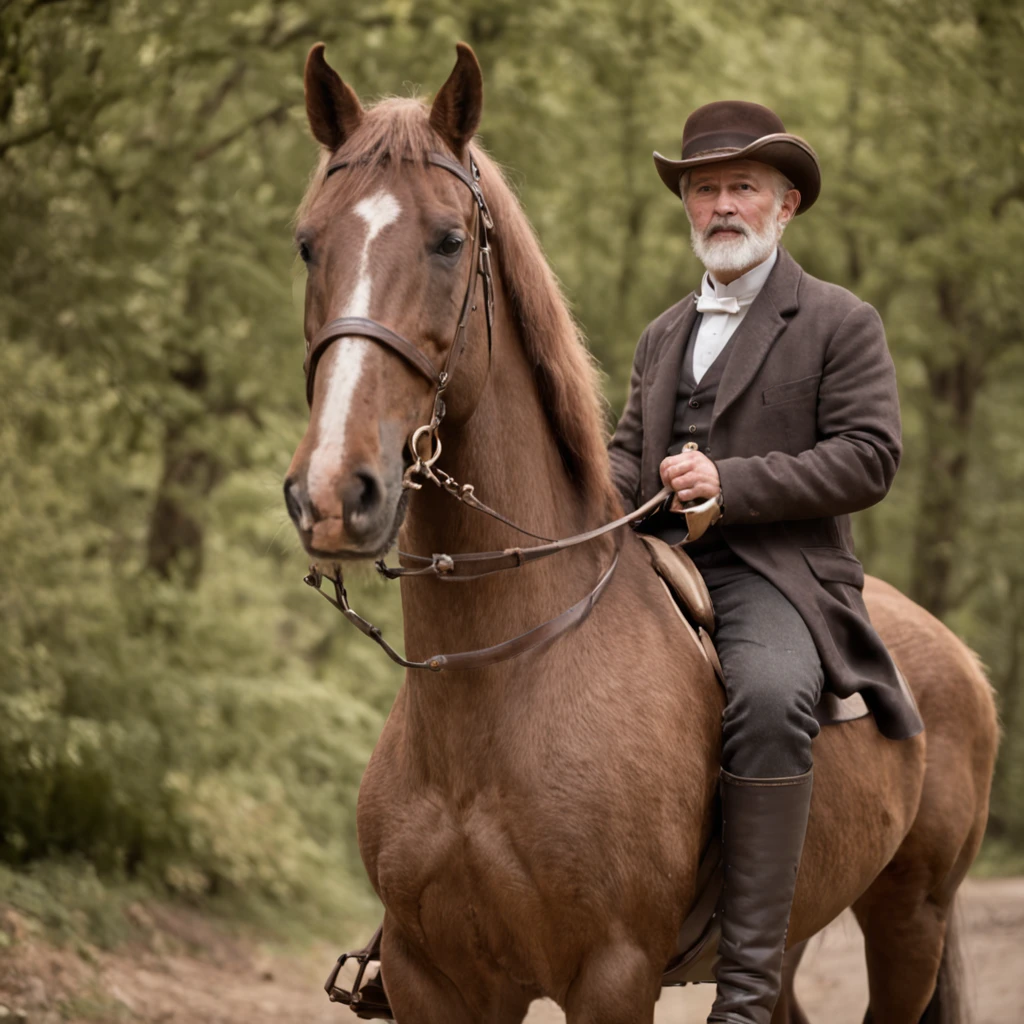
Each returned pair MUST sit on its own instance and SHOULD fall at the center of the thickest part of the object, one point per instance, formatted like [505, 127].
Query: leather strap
[700, 517]
[359, 326]
[470, 178]
[443, 565]
[540, 636]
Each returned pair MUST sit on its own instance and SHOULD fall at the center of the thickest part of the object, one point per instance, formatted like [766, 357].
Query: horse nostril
[297, 503]
[362, 500]
[368, 491]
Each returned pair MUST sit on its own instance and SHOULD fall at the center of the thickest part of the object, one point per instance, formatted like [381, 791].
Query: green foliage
[195, 736]
[999, 858]
[68, 902]
[174, 705]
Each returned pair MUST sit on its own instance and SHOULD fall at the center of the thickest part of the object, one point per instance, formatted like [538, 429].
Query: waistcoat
[695, 401]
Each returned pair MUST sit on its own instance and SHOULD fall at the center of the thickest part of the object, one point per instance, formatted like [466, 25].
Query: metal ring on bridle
[414, 445]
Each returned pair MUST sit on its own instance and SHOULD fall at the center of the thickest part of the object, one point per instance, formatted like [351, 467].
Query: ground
[191, 970]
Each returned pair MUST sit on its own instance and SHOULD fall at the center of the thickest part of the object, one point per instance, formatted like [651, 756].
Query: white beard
[721, 256]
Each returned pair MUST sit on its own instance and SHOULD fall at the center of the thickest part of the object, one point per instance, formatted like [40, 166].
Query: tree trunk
[190, 473]
[1010, 689]
[954, 381]
[175, 543]
[949, 415]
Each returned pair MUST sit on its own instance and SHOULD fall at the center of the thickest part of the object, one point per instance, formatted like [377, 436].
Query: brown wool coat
[805, 430]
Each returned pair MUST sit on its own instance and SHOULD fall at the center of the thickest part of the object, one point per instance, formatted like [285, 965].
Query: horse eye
[304, 254]
[450, 246]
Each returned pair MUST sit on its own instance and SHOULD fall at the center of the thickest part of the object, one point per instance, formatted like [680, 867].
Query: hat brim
[789, 154]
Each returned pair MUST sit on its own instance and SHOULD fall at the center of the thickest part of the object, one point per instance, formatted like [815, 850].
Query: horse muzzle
[371, 511]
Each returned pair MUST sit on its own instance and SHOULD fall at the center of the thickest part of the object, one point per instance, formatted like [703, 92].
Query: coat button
[693, 428]
[694, 404]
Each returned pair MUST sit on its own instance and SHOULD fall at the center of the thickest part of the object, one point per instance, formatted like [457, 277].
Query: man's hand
[691, 474]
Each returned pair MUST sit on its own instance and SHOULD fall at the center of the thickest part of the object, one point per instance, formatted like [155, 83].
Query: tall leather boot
[763, 826]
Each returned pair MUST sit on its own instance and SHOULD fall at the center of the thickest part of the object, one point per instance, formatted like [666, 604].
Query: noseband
[442, 566]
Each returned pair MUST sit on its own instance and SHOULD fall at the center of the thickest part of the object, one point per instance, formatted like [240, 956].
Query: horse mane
[566, 374]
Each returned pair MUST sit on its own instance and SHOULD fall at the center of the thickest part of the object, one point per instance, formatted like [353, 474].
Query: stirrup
[367, 999]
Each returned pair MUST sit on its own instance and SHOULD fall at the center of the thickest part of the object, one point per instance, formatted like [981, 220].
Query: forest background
[177, 710]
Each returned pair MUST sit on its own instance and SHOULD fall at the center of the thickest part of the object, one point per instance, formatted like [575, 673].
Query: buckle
[485, 210]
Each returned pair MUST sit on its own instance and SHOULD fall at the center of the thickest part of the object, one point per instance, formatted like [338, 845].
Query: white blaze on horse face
[377, 212]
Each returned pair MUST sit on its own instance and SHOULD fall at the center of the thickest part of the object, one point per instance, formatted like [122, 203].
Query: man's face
[736, 214]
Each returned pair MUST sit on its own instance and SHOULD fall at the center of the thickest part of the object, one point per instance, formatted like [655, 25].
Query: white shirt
[716, 328]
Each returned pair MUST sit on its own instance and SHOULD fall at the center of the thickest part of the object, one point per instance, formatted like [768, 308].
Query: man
[774, 393]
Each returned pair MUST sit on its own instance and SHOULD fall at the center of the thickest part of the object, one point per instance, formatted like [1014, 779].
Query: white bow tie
[711, 304]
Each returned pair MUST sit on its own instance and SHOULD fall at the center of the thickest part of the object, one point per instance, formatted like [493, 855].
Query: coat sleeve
[852, 465]
[626, 446]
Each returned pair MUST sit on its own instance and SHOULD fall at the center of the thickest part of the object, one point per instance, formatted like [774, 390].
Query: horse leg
[787, 1009]
[946, 1003]
[419, 993]
[904, 938]
[615, 985]
[913, 956]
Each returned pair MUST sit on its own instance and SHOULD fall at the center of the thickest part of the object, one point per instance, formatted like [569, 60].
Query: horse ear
[333, 109]
[455, 114]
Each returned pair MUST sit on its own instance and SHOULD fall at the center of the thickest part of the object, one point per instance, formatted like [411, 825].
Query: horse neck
[508, 452]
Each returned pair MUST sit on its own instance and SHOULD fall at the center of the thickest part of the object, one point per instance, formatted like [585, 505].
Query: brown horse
[533, 827]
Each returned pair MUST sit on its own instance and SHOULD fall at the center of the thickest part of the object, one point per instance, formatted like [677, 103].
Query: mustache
[725, 224]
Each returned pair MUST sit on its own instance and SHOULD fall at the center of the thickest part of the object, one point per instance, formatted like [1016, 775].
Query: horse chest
[457, 879]
[434, 851]
[519, 862]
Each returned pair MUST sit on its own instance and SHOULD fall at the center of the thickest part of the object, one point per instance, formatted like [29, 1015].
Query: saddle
[692, 601]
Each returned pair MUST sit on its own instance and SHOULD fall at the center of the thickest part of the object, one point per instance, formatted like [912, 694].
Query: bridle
[443, 566]
[346, 326]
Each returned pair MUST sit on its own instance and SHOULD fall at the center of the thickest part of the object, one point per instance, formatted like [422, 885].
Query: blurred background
[178, 714]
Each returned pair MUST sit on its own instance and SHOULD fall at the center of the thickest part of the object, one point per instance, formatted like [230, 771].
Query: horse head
[386, 236]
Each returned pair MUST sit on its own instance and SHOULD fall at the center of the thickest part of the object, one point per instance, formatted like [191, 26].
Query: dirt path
[832, 982]
[226, 981]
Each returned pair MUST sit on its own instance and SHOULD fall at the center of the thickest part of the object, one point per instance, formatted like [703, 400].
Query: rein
[443, 566]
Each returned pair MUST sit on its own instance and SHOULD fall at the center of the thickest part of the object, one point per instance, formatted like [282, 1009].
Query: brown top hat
[735, 130]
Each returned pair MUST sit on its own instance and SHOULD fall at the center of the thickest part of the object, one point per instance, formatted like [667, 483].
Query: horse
[533, 824]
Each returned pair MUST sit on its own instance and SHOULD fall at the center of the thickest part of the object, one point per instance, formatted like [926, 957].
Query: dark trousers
[773, 675]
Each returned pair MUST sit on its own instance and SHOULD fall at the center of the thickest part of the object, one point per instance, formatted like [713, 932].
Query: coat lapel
[660, 401]
[765, 321]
